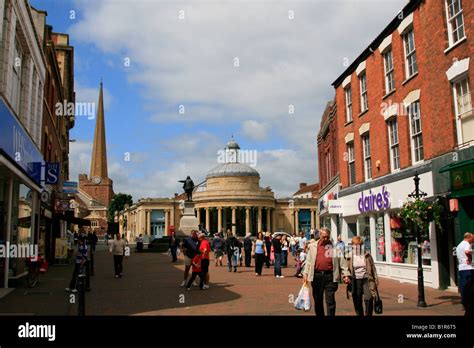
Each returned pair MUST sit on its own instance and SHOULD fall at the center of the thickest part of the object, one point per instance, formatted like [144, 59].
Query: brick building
[328, 166]
[404, 108]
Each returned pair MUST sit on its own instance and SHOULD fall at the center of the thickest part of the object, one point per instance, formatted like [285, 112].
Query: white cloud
[191, 62]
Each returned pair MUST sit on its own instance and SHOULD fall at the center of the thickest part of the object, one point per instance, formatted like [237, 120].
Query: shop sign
[335, 207]
[18, 145]
[52, 173]
[462, 178]
[70, 187]
[374, 201]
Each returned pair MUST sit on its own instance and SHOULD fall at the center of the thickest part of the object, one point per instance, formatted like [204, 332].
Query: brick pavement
[150, 286]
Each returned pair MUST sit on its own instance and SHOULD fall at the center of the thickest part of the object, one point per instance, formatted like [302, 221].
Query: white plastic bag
[169, 252]
[303, 302]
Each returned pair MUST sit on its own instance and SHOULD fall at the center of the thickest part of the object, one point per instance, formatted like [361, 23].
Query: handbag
[378, 305]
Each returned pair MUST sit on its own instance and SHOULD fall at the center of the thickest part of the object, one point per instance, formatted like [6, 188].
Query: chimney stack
[303, 184]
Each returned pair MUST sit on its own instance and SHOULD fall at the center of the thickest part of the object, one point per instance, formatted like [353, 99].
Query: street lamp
[418, 194]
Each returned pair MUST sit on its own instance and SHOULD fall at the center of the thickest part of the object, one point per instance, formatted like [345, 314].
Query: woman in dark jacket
[268, 247]
[232, 251]
[174, 243]
[364, 280]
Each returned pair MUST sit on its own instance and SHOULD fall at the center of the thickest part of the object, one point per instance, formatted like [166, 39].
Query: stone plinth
[188, 221]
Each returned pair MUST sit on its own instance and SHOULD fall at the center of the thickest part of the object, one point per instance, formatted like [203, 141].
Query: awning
[456, 165]
[74, 220]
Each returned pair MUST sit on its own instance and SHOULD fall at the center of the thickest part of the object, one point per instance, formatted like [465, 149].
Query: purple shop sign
[374, 201]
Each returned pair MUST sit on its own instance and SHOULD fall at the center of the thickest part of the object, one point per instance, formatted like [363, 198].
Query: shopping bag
[178, 252]
[169, 252]
[303, 302]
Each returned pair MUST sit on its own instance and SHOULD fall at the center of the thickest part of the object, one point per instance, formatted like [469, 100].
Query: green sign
[462, 178]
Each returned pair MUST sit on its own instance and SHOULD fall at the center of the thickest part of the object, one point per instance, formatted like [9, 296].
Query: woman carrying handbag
[364, 280]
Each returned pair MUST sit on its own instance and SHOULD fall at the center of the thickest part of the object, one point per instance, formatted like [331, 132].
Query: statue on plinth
[188, 187]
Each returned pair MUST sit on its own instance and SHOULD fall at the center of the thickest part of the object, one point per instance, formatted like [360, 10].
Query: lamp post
[418, 194]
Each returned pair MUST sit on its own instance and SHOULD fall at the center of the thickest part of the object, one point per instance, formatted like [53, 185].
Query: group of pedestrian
[196, 251]
[326, 266]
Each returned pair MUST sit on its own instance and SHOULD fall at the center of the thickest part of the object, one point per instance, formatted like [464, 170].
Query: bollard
[81, 310]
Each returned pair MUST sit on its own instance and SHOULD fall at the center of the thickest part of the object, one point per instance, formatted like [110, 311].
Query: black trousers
[324, 288]
[259, 259]
[248, 257]
[193, 277]
[118, 260]
[77, 269]
[361, 294]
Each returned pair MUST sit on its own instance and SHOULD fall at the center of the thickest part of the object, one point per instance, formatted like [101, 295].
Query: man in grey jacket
[323, 268]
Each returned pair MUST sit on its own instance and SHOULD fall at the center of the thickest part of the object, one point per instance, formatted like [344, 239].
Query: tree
[117, 204]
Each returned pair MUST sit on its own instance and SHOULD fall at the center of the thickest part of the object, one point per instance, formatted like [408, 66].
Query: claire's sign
[374, 201]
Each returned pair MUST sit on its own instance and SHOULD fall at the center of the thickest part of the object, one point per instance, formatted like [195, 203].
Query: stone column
[172, 217]
[148, 222]
[219, 218]
[259, 219]
[207, 218]
[234, 228]
[198, 213]
[297, 228]
[247, 220]
[312, 219]
[269, 227]
[167, 216]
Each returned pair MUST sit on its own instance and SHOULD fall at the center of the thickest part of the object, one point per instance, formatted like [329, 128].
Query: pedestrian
[300, 259]
[465, 266]
[248, 250]
[232, 250]
[276, 244]
[174, 243]
[80, 265]
[268, 247]
[364, 280]
[196, 271]
[293, 242]
[302, 241]
[205, 250]
[190, 249]
[76, 237]
[323, 268]
[218, 247]
[259, 252]
[340, 245]
[117, 249]
[285, 246]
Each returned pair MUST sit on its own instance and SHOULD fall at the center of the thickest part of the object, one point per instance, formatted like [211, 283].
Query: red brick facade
[102, 192]
[438, 121]
[328, 145]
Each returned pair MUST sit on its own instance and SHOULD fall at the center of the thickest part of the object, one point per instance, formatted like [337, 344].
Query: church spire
[99, 150]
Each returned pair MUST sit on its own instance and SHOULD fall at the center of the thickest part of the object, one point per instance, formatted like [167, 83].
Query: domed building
[229, 198]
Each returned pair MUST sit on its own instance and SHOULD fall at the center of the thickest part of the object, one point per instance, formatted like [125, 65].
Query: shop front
[20, 186]
[372, 213]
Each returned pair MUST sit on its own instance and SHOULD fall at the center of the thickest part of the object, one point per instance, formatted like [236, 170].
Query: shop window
[380, 238]
[364, 231]
[404, 247]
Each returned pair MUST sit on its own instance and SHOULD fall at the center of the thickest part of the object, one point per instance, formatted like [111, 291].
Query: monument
[188, 221]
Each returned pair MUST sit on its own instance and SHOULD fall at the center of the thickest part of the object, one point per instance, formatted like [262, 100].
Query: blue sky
[183, 53]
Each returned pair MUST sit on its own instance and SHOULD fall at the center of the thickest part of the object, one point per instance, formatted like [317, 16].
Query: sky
[181, 78]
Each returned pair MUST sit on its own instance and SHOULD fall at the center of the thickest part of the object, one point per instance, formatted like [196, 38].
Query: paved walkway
[150, 286]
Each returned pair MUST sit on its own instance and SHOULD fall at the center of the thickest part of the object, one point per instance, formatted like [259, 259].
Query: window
[394, 147]
[351, 163]
[348, 94]
[455, 21]
[389, 73]
[464, 114]
[416, 134]
[410, 54]
[363, 93]
[94, 223]
[16, 78]
[367, 158]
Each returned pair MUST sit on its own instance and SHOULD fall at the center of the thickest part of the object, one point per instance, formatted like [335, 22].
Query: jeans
[259, 260]
[284, 258]
[293, 250]
[464, 277]
[277, 267]
[173, 250]
[232, 258]
[118, 260]
[324, 286]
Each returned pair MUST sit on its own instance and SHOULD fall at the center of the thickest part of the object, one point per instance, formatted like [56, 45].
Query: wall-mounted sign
[335, 206]
[374, 201]
[52, 173]
[44, 196]
[70, 187]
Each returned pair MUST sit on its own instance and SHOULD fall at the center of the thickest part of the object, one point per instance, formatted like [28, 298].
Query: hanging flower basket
[421, 213]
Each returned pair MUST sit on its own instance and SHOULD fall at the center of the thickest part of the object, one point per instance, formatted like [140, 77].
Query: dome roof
[232, 169]
[232, 144]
